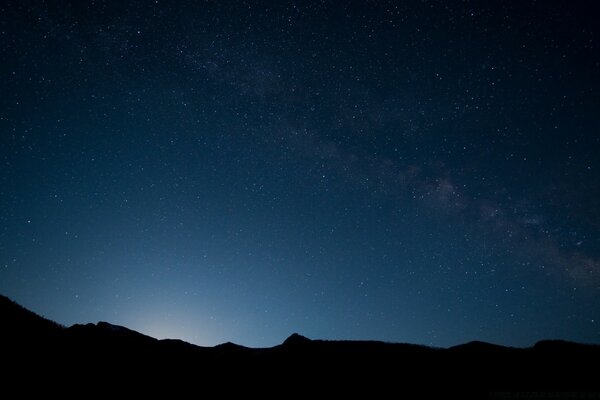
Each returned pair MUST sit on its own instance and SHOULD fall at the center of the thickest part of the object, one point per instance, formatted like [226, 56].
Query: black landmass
[40, 356]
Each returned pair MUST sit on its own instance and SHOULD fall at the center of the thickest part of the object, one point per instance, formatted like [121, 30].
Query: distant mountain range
[39, 355]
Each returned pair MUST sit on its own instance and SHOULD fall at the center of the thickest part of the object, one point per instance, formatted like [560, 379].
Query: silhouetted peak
[296, 339]
[230, 347]
[114, 328]
[560, 345]
[552, 342]
[477, 345]
[227, 345]
[106, 329]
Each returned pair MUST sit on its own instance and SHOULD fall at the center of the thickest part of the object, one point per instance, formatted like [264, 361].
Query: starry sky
[419, 171]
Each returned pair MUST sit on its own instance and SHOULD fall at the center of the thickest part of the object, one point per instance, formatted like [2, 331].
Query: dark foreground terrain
[42, 357]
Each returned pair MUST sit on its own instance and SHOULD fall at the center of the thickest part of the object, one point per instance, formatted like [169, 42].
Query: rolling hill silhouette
[41, 355]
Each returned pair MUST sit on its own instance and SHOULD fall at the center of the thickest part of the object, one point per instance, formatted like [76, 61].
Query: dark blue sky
[419, 172]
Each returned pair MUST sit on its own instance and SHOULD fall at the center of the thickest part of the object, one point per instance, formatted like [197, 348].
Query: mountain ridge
[103, 353]
[292, 340]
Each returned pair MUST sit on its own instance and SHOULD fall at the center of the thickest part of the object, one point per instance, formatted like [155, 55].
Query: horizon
[417, 172]
[64, 326]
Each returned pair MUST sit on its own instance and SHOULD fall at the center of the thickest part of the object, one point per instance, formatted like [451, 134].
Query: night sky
[421, 171]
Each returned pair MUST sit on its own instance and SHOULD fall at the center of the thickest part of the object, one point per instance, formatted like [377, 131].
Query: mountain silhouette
[39, 355]
[296, 339]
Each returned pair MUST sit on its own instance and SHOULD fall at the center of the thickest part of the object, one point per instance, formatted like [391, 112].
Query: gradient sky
[420, 171]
